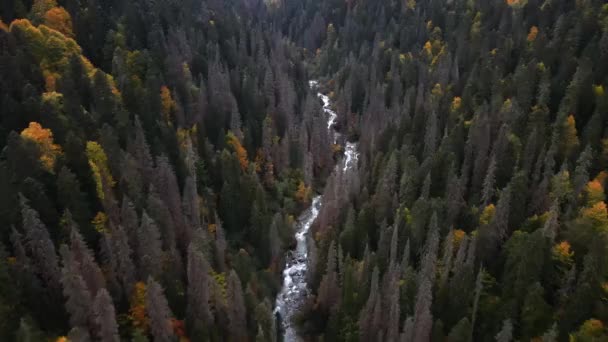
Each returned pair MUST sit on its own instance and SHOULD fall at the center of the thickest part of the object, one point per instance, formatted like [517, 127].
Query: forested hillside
[479, 212]
[155, 156]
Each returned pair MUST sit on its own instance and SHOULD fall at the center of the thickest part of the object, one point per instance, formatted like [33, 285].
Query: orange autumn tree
[595, 192]
[137, 313]
[40, 7]
[597, 216]
[532, 34]
[517, 4]
[179, 328]
[238, 148]
[59, 19]
[43, 137]
[166, 103]
[563, 253]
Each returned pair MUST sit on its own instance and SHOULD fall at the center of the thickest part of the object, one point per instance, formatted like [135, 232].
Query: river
[295, 289]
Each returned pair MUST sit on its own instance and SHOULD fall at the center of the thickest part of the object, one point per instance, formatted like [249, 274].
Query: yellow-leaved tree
[98, 161]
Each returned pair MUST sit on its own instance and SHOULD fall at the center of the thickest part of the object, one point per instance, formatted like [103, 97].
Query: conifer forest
[303, 170]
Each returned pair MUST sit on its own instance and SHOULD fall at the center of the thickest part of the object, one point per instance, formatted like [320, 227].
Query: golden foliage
[40, 7]
[62, 339]
[43, 137]
[410, 4]
[562, 252]
[487, 214]
[598, 90]
[183, 136]
[137, 311]
[595, 192]
[52, 98]
[49, 46]
[601, 177]
[220, 280]
[459, 234]
[303, 193]
[336, 148]
[166, 102]
[259, 160]
[456, 103]
[532, 34]
[569, 139]
[402, 58]
[591, 328]
[240, 151]
[437, 91]
[597, 214]
[50, 81]
[407, 215]
[428, 48]
[476, 27]
[59, 19]
[98, 161]
[541, 67]
[211, 228]
[99, 222]
[3, 26]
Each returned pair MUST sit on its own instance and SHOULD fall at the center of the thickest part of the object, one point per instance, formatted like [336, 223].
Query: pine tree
[105, 317]
[79, 300]
[423, 319]
[392, 333]
[121, 260]
[367, 330]
[83, 255]
[551, 226]
[329, 288]
[236, 308]
[191, 205]
[168, 190]
[149, 251]
[159, 212]
[199, 314]
[71, 197]
[129, 221]
[39, 244]
[488, 183]
[159, 312]
[220, 244]
[581, 173]
[141, 151]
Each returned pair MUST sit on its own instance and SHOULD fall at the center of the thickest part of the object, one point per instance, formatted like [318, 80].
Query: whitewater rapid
[295, 289]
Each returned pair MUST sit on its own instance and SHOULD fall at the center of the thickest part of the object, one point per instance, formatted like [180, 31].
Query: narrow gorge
[295, 288]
